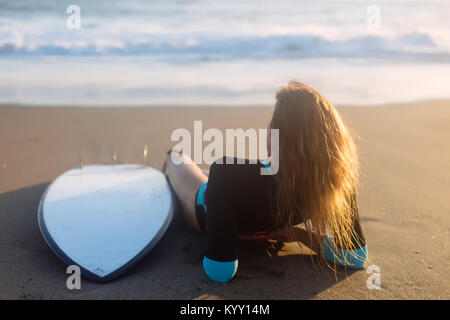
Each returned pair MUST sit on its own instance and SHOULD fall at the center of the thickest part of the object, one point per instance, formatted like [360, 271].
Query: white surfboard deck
[105, 218]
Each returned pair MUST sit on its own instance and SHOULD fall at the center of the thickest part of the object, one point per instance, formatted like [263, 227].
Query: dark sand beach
[404, 203]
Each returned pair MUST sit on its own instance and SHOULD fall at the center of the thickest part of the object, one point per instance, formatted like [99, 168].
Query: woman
[315, 185]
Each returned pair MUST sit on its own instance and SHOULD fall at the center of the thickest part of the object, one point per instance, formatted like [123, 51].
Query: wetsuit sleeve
[220, 261]
[354, 257]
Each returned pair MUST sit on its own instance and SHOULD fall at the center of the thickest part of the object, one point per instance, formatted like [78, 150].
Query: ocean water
[188, 52]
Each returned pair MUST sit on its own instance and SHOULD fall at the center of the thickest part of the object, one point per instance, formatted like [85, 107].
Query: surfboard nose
[105, 218]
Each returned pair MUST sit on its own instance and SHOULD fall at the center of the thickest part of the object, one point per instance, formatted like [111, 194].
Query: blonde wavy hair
[318, 172]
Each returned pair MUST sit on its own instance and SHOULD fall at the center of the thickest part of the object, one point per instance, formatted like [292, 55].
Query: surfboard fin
[145, 155]
[81, 159]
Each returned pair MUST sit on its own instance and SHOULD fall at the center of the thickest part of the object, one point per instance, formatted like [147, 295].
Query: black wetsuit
[238, 199]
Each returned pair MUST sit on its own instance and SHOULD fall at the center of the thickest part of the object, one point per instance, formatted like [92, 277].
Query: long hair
[318, 170]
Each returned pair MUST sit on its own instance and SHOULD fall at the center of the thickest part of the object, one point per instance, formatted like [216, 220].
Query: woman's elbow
[354, 258]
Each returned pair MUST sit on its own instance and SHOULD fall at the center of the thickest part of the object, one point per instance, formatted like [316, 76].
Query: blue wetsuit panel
[220, 271]
[353, 258]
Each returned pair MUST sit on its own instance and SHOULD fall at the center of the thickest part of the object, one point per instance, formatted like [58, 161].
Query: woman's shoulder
[233, 165]
[232, 171]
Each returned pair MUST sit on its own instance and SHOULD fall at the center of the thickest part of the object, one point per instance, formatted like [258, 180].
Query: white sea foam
[176, 51]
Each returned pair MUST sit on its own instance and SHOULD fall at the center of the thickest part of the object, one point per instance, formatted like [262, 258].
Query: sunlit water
[222, 52]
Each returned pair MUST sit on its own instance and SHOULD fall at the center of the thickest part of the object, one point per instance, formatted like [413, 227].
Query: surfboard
[105, 218]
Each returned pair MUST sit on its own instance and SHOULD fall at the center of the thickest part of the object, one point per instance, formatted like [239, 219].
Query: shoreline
[213, 106]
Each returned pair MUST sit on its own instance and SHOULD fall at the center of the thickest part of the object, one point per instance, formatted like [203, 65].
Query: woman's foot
[168, 159]
[185, 177]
